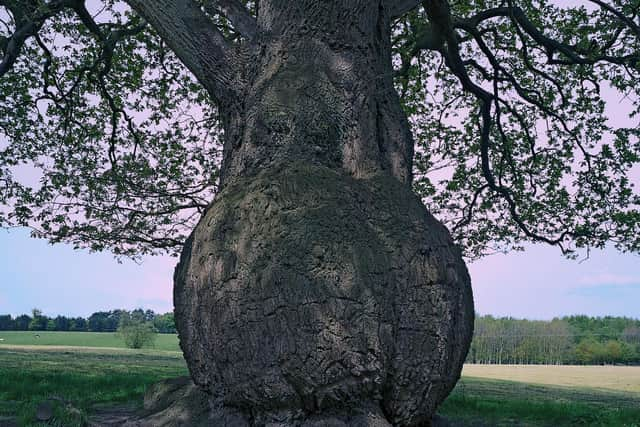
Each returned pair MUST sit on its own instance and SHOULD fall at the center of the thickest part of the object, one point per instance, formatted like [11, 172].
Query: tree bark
[198, 43]
[317, 288]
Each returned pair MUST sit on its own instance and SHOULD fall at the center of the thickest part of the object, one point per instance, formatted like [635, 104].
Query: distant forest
[571, 340]
[101, 321]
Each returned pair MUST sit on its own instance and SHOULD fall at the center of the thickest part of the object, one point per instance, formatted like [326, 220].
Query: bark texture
[304, 290]
[319, 88]
[317, 287]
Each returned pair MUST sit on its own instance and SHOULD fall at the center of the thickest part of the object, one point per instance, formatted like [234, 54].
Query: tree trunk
[317, 288]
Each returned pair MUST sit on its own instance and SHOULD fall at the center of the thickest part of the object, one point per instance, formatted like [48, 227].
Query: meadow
[165, 342]
[616, 378]
[85, 372]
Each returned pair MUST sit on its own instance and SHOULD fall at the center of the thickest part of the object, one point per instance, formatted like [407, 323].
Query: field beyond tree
[84, 380]
[570, 340]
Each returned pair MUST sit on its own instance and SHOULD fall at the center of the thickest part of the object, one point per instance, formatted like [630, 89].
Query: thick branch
[26, 27]
[572, 54]
[400, 7]
[624, 19]
[236, 13]
[440, 17]
[181, 23]
[197, 42]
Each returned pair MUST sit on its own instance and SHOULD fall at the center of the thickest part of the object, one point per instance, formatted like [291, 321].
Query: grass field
[489, 402]
[620, 378]
[84, 378]
[168, 342]
[81, 376]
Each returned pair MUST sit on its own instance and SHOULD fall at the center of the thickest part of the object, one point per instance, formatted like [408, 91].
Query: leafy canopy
[524, 116]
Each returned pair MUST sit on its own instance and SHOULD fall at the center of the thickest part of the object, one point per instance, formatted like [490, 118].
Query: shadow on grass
[506, 403]
[77, 381]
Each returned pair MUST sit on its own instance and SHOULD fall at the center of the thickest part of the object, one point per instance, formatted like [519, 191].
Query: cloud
[541, 284]
[612, 292]
[608, 279]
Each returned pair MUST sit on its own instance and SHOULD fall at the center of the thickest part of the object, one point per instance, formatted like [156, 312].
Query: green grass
[62, 366]
[82, 377]
[168, 342]
[508, 403]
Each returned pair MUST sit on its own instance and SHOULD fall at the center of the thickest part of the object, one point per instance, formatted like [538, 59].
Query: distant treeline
[101, 321]
[581, 340]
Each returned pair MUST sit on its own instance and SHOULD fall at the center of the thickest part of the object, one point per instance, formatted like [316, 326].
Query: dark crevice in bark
[382, 146]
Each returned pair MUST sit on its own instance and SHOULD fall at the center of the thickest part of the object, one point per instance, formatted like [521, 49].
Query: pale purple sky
[538, 283]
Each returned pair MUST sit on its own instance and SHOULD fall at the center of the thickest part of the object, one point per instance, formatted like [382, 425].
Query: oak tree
[294, 136]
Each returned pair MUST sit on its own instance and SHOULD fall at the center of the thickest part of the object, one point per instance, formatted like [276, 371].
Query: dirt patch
[113, 416]
[178, 402]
